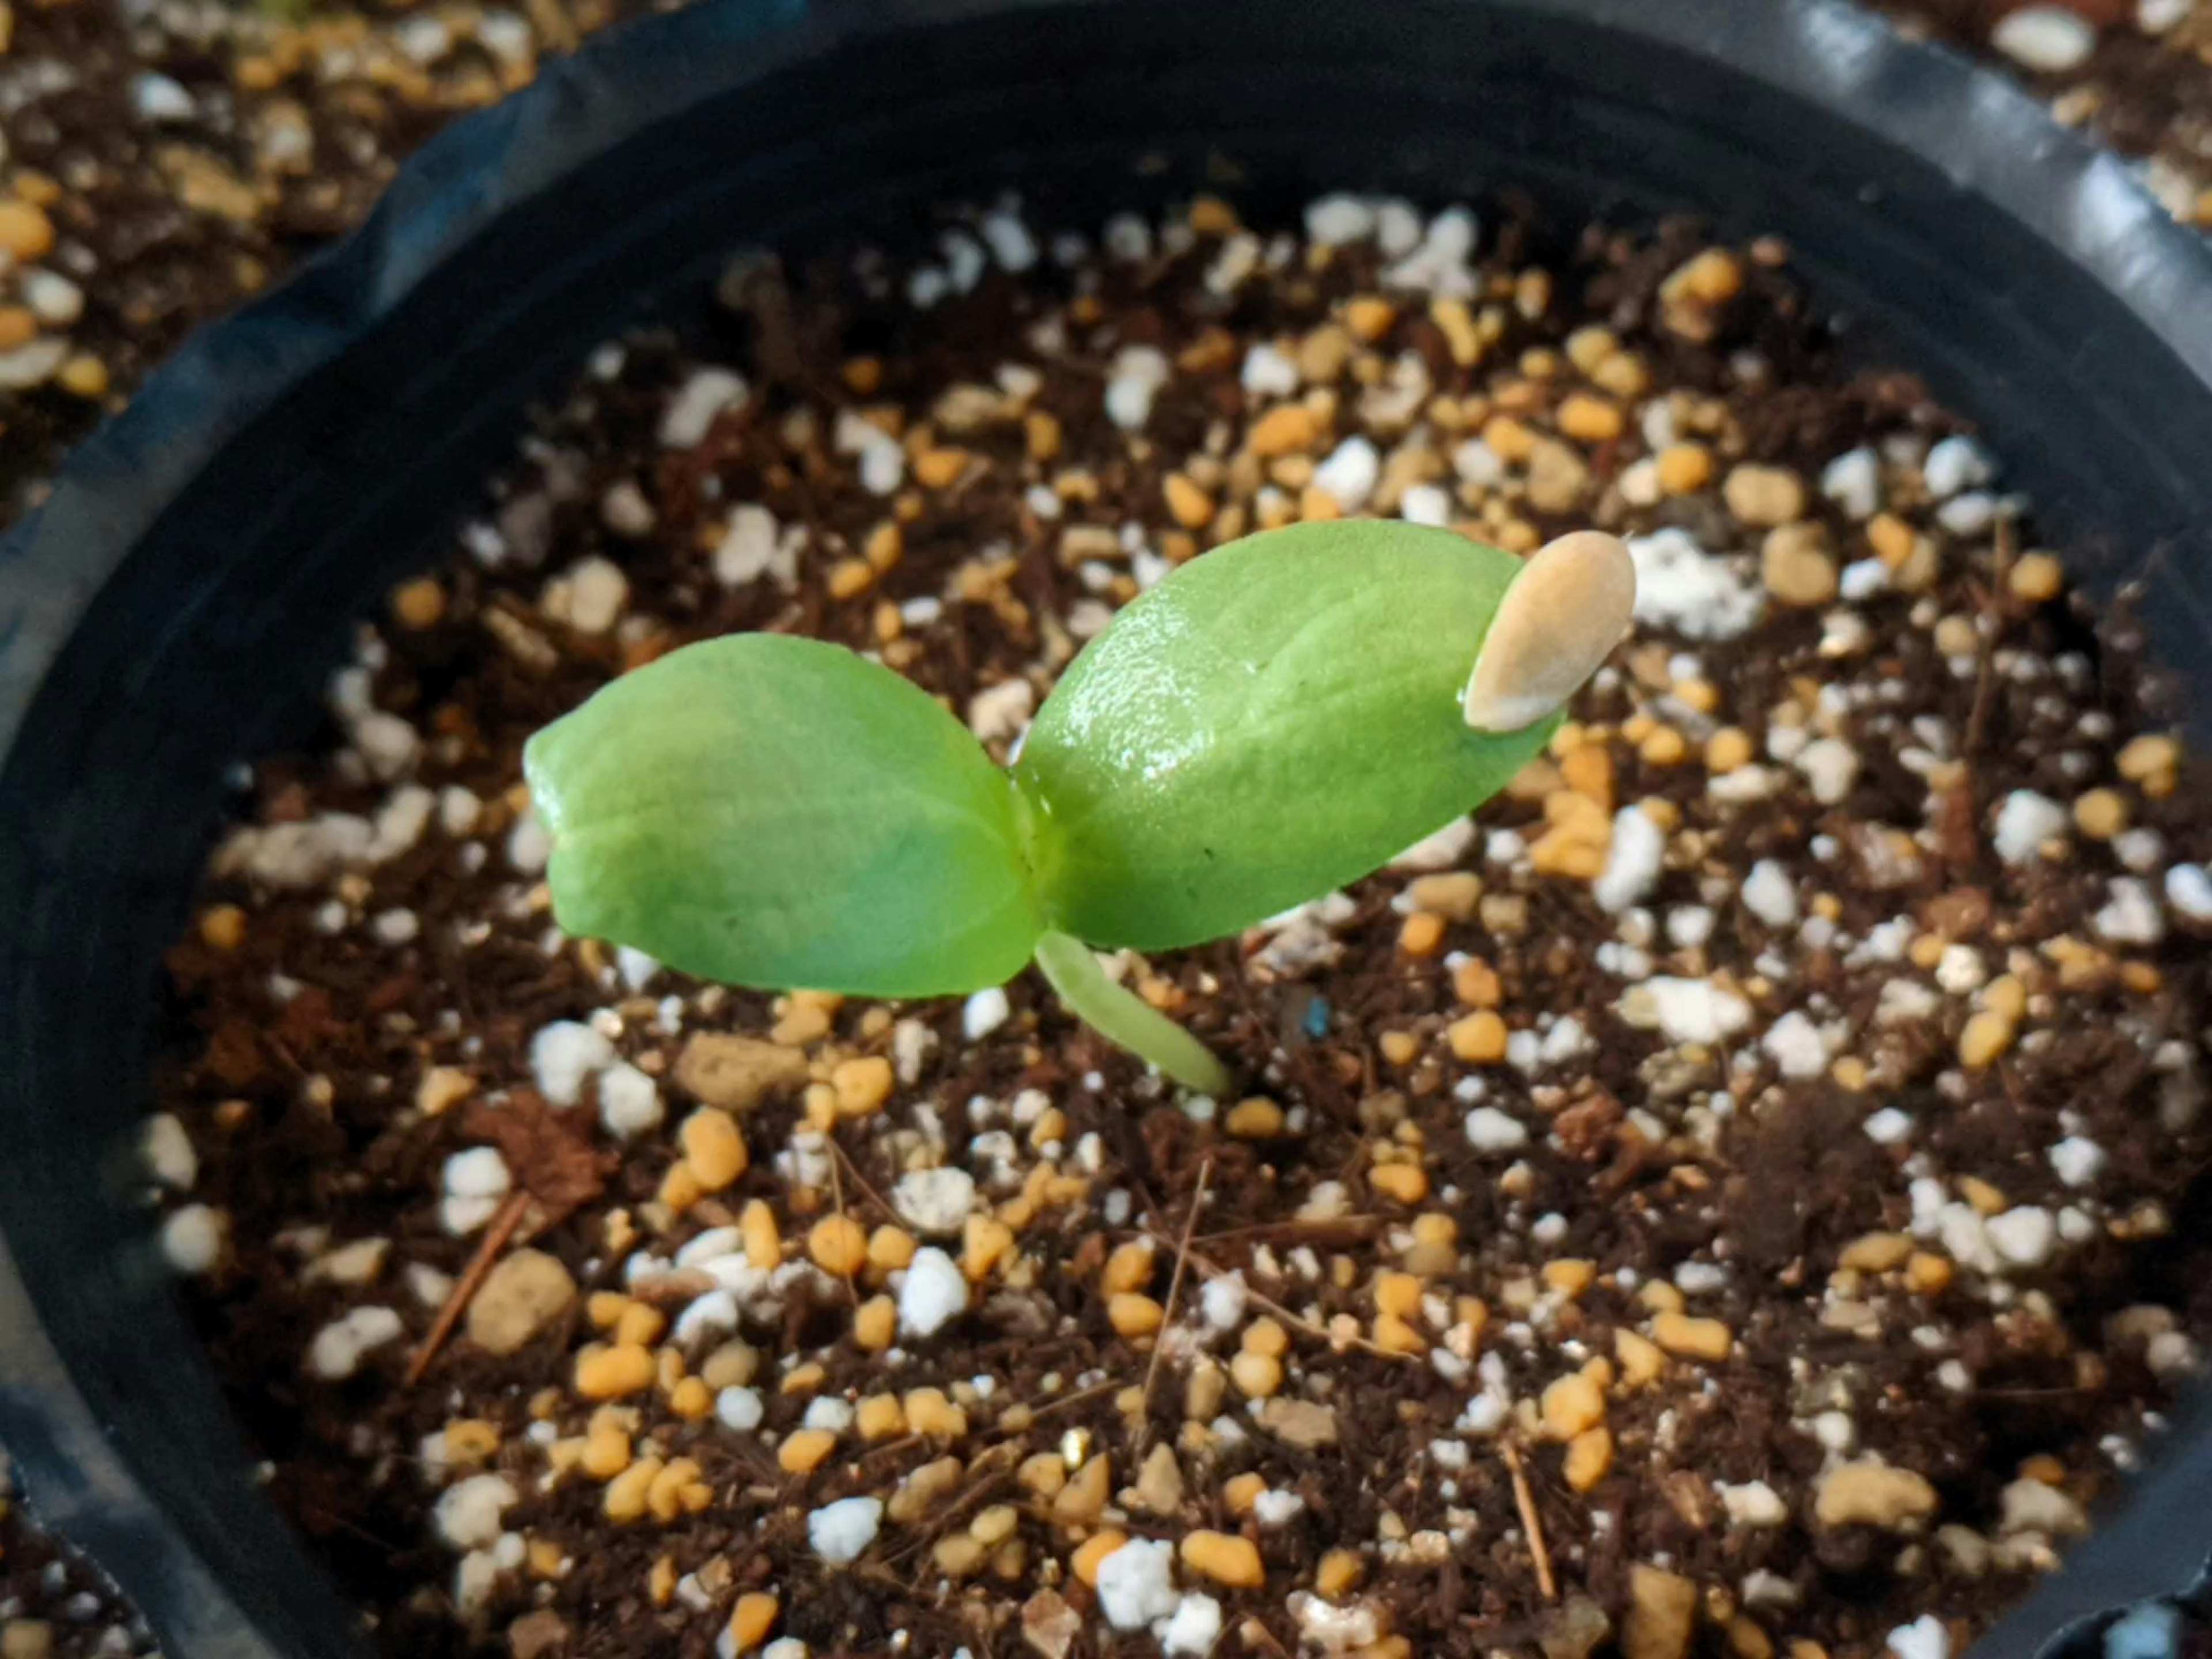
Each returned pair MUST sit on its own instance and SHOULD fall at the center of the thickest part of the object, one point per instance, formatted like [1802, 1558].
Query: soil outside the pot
[1748, 1127]
[2136, 74]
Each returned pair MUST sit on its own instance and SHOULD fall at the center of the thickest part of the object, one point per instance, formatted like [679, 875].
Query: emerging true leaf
[778, 813]
[1276, 718]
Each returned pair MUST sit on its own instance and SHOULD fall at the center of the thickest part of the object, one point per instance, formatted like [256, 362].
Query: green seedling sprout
[1274, 719]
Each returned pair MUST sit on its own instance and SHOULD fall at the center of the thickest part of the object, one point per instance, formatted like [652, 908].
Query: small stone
[2023, 1236]
[1225, 1558]
[25, 233]
[2131, 914]
[1369, 316]
[985, 1011]
[1753, 1503]
[1764, 495]
[1348, 474]
[1686, 1010]
[2037, 578]
[1683, 468]
[1986, 1036]
[804, 1451]
[1875, 1253]
[1769, 895]
[597, 590]
[611, 1373]
[1870, 1493]
[1480, 1040]
[340, 1347]
[192, 1238]
[1926, 1638]
[32, 364]
[1558, 477]
[468, 1513]
[1256, 1118]
[1571, 1404]
[1662, 1608]
[2034, 1506]
[1133, 1316]
[83, 375]
[1159, 1481]
[838, 1245]
[1257, 1376]
[1406, 1183]
[926, 1488]
[1301, 1422]
[2147, 759]
[751, 1619]
[1573, 1630]
[167, 1150]
[156, 97]
[1795, 563]
[1957, 464]
[738, 1072]
[1050, 1626]
[2100, 814]
[1490, 1130]
[1589, 1455]
[1692, 1339]
[1000, 713]
[1641, 1358]
[1831, 766]
[1288, 428]
[526, 1291]
[1589, 419]
[538, 1635]
[2048, 39]
[1083, 1499]
[692, 410]
[1853, 481]
[713, 1148]
[2077, 1160]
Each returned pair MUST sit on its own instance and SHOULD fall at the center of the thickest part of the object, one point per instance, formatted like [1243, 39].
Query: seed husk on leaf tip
[1558, 621]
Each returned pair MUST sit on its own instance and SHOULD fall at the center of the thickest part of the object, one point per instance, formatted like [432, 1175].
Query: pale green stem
[1122, 1016]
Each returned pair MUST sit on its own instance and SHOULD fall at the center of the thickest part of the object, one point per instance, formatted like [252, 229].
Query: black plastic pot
[175, 605]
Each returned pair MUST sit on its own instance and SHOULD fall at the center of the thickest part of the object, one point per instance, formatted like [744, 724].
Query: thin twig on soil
[1531, 1522]
[1067, 1400]
[837, 1198]
[1348, 1228]
[503, 1224]
[1175, 1289]
[1211, 1271]
[839, 1155]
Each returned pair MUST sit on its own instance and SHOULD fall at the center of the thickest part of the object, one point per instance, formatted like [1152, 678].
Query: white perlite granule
[934, 1294]
[842, 1532]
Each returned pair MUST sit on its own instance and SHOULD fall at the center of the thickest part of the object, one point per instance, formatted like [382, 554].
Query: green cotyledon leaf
[778, 813]
[1277, 718]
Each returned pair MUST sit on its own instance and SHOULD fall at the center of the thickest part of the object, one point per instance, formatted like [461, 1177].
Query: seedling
[1274, 719]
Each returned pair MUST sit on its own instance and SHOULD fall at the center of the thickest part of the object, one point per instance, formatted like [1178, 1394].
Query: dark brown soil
[1726, 1169]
